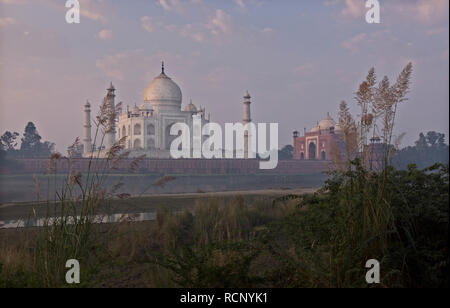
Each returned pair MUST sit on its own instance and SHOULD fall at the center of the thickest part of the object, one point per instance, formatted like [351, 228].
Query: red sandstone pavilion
[319, 142]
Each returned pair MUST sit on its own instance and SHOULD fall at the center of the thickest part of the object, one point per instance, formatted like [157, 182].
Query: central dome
[327, 123]
[163, 91]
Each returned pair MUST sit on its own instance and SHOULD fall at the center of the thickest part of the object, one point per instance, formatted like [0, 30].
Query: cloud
[331, 2]
[268, 30]
[6, 21]
[13, 1]
[307, 68]
[172, 5]
[112, 65]
[90, 9]
[93, 10]
[105, 34]
[240, 4]
[188, 31]
[354, 42]
[353, 8]
[194, 32]
[220, 23]
[147, 24]
[425, 11]
[217, 24]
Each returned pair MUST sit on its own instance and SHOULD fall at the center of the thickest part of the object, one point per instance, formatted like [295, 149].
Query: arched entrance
[324, 155]
[137, 144]
[312, 150]
[137, 129]
[150, 129]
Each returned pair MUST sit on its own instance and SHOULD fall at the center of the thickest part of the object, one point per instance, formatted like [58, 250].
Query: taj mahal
[145, 128]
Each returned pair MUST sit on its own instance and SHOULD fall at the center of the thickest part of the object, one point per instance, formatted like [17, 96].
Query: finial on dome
[111, 87]
[162, 67]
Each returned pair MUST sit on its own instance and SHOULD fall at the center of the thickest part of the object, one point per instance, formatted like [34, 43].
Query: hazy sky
[298, 59]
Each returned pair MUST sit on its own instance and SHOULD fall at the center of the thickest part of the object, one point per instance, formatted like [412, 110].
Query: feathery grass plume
[116, 149]
[123, 196]
[115, 163]
[53, 162]
[134, 165]
[164, 180]
[72, 148]
[348, 125]
[36, 186]
[365, 98]
[386, 101]
[75, 178]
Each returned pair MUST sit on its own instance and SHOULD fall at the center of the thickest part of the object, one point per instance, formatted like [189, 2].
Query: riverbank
[149, 203]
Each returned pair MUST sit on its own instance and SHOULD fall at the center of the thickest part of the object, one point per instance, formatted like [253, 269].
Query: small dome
[190, 107]
[315, 129]
[375, 138]
[337, 127]
[327, 123]
[135, 110]
[146, 106]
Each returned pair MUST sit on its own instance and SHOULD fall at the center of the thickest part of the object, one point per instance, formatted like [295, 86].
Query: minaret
[87, 141]
[247, 119]
[110, 137]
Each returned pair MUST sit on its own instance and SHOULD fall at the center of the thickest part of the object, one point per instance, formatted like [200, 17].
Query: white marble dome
[190, 107]
[162, 90]
[327, 123]
[314, 129]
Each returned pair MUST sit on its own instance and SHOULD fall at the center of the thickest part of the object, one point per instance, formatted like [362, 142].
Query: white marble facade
[147, 127]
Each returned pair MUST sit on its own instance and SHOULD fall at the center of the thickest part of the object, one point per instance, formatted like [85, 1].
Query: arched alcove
[137, 129]
[312, 151]
[150, 129]
[137, 144]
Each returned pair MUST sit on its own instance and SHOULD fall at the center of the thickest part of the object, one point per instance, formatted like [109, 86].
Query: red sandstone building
[320, 142]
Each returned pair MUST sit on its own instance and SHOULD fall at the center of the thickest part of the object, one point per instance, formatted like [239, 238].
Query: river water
[113, 218]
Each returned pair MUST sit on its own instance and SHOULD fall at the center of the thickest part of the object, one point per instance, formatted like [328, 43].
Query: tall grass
[68, 229]
[366, 210]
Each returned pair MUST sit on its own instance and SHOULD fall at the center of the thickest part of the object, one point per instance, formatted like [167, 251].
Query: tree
[9, 141]
[31, 143]
[429, 149]
[435, 139]
[287, 152]
[422, 142]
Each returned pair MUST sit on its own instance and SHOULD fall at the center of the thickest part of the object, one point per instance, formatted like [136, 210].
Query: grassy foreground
[310, 240]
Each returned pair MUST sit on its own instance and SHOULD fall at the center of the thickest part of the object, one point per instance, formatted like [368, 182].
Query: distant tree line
[287, 152]
[31, 145]
[429, 149]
